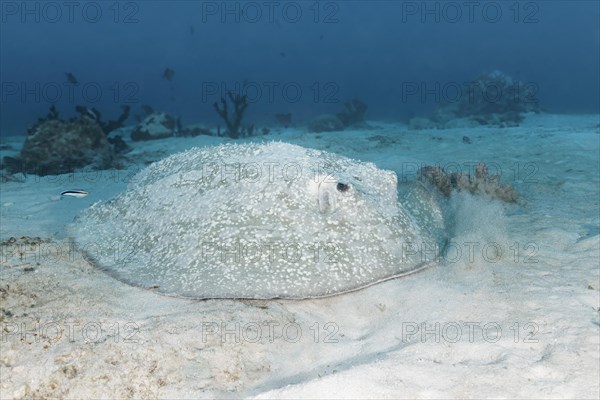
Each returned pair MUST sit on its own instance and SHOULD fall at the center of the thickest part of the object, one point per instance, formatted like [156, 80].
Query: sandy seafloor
[496, 323]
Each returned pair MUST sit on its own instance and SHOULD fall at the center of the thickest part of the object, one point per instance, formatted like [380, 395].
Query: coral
[325, 123]
[491, 99]
[119, 144]
[498, 93]
[195, 130]
[52, 115]
[110, 126]
[88, 112]
[240, 103]
[284, 119]
[56, 146]
[107, 127]
[481, 184]
[146, 110]
[353, 113]
[155, 126]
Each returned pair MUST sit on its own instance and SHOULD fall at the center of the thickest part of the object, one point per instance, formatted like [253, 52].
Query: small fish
[74, 193]
[466, 140]
[192, 30]
[282, 54]
[168, 74]
[71, 78]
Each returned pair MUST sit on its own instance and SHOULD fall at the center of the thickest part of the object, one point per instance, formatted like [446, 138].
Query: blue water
[401, 58]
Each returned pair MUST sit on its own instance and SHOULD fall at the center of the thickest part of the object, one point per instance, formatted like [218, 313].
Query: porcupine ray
[261, 221]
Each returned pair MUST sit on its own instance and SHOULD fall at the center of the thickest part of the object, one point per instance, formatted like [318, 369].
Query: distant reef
[55, 146]
[492, 99]
[156, 125]
[352, 116]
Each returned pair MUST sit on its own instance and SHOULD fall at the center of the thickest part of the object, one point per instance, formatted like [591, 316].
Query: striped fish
[74, 193]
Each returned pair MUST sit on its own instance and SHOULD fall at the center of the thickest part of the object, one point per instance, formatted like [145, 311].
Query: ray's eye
[342, 187]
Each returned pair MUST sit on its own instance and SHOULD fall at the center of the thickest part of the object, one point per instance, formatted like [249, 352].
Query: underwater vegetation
[109, 126]
[233, 122]
[55, 146]
[352, 116]
[160, 125]
[284, 119]
[325, 123]
[492, 99]
[156, 125]
[329, 225]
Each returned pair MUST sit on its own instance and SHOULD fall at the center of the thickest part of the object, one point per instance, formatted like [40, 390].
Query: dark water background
[400, 57]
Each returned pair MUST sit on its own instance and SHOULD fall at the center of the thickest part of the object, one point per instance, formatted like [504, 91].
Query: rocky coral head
[56, 146]
[157, 125]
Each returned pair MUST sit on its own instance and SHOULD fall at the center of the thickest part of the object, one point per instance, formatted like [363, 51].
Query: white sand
[71, 331]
